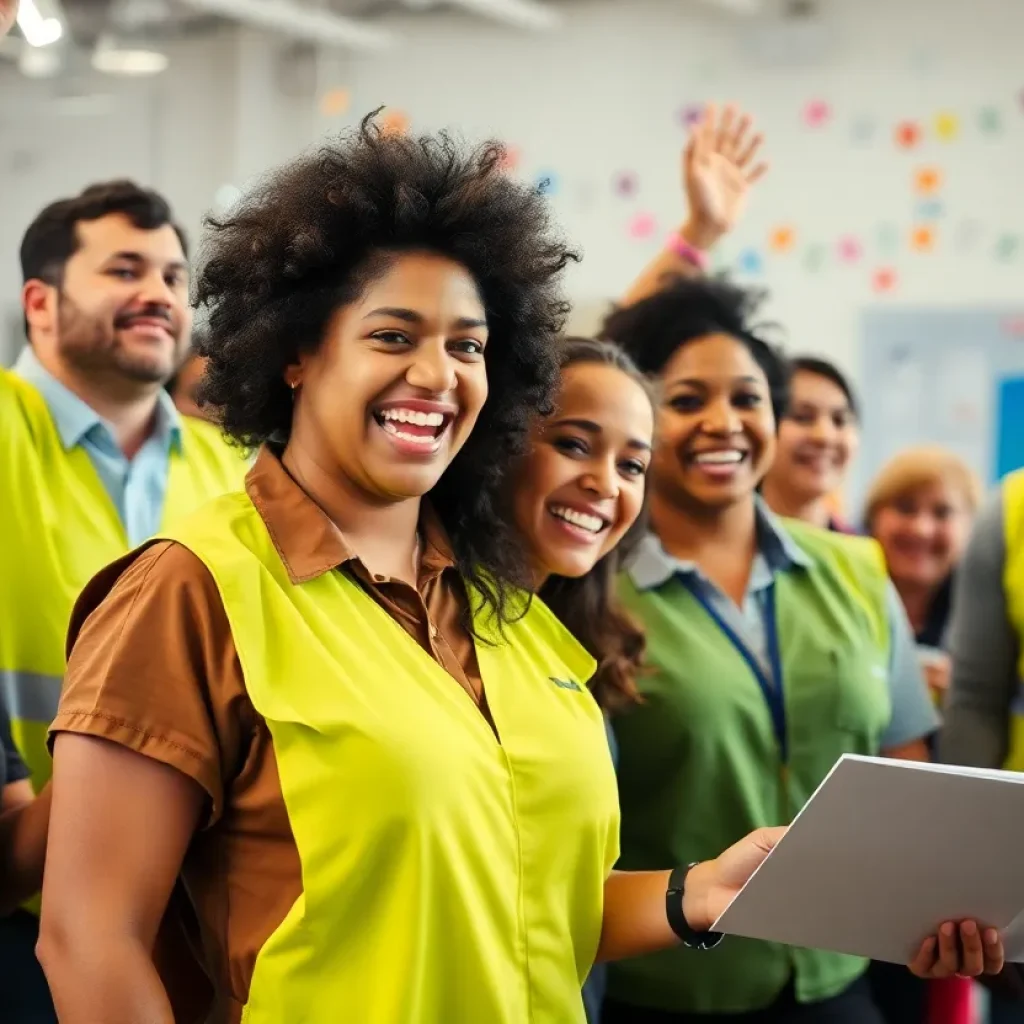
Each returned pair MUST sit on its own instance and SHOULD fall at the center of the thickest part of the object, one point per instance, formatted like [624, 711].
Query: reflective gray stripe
[30, 696]
[1017, 704]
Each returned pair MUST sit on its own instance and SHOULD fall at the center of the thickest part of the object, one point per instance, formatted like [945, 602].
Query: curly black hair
[308, 238]
[587, 605]
[690, 308]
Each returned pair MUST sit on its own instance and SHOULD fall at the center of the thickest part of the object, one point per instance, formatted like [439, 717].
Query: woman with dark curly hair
[772, 649]
[326, 705]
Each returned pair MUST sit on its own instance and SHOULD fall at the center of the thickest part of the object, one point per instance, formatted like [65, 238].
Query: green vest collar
[653, 566]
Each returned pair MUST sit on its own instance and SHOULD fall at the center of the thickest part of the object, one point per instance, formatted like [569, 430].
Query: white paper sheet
[883, 853]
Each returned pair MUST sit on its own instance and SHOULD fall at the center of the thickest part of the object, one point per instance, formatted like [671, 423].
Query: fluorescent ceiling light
[300, 22]
[37, 30]
[522, 13]
[112, 59]
[737, 6]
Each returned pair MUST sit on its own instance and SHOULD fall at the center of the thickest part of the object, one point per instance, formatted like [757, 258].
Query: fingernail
[969, 928]
[992, 937]
[947, 930]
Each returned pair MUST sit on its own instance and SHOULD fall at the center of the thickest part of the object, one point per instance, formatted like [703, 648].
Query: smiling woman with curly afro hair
[309, 238]
[378, 770]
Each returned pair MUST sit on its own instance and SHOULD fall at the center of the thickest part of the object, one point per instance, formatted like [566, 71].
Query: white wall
[599, 97]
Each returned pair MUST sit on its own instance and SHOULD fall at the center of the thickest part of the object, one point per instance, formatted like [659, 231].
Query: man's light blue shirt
[136, 486]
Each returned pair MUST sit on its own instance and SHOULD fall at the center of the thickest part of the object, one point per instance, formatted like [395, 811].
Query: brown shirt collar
[307, 540]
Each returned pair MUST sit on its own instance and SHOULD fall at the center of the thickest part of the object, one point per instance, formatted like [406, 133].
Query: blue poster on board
[1010, 430]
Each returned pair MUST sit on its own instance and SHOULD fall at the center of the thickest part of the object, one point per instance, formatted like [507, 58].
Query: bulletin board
[953, 377]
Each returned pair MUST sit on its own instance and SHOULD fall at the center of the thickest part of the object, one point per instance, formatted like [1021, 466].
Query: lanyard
[771, 689]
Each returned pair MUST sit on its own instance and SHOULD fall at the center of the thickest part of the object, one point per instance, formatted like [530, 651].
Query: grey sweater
[984, 648]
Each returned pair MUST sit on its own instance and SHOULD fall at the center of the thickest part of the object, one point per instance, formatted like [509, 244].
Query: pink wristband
[682, 248]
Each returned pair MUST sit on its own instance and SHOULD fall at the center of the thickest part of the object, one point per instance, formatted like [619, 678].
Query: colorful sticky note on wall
[1007, 247]
[782, 239]
[927, 181]
[990, 121]
[335, 102]
[1014, 326]
[642, 225]
[750, 262]
[908, 135]
[817, 114]
[849, 249]
[947, 126]
[923, 239]
[626, 184]
[930, 209]
[547, 183]
[394, 122]
[690, 115]
[884, 280]
[510, 159]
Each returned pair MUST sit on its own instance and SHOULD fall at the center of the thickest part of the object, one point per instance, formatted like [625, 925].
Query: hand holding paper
[886, 853]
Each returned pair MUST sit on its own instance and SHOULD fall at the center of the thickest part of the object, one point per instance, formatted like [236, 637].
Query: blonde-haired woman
[920, 509]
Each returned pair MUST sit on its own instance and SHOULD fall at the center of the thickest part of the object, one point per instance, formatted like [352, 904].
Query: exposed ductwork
[298, 21]
[529, 14]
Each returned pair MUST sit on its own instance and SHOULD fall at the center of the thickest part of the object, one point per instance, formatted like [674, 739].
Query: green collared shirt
[703, 761]
[913, 713]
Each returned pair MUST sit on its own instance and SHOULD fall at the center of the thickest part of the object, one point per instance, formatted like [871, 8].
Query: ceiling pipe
[528, 14]
[300, 22]
[737, 6]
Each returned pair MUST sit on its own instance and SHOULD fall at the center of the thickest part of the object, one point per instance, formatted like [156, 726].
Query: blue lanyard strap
[771, 689]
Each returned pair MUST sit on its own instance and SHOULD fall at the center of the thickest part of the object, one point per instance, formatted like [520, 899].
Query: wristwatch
[677, 919]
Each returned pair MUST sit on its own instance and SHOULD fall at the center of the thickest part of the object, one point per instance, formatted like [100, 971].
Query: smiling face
[581, 486]
[716, 429]
[817, 439]
[120, 312]
[390, 396]
[923, 533]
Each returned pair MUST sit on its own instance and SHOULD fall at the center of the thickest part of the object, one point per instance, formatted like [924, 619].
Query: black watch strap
[677, 919]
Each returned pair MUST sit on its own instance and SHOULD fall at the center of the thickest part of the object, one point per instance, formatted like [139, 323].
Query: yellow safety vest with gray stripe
[58, 528]
[1013, 584]
[451, 873]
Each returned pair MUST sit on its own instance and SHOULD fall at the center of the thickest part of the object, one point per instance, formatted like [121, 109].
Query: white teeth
[593, 524]
[419, 419]
[426, 440]
[719, 458]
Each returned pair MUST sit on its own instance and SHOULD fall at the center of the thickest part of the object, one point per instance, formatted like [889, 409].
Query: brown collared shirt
[153, 667]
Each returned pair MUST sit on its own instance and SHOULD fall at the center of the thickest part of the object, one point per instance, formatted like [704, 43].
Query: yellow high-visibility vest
[58, 528]
[451, 873]
[1013, 584]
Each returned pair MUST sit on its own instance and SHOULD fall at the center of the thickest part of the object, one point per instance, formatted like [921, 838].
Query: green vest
[1013, 585]
[58, 528]
[448, 877]
[700, 765]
